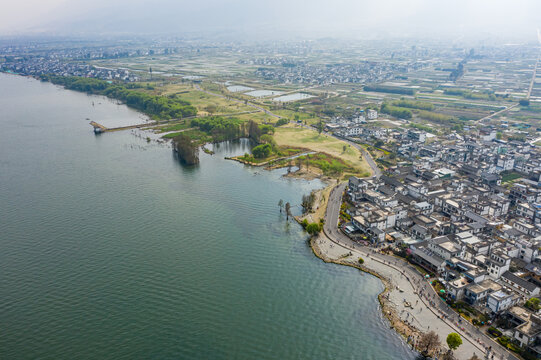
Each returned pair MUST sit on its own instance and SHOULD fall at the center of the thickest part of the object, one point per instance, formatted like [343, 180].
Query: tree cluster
[421, 105]
[219, 127]
[396, 111]
[262, 151]
[187, 151]
[162, 107]
[389, 89]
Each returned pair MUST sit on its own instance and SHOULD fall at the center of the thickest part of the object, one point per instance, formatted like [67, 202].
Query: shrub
[514, 348]
[494, 332]
[533, 304]
[281, 122]
[503, 340]
[361, 261]
[313, 228]
[262, 151]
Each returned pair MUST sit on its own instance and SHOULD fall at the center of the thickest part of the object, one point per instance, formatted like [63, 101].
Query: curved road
[366, 154]
[375, 169]
[330, 229]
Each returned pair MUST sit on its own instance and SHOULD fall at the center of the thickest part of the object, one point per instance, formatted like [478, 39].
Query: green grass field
[292, 135]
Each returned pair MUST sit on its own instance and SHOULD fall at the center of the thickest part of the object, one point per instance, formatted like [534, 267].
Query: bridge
[99, 128]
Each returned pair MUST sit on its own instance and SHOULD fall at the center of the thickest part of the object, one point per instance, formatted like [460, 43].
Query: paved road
[532, 82]
[238, 101]
[429, 297]
[507, 108]
[375, 169]
[535, 140]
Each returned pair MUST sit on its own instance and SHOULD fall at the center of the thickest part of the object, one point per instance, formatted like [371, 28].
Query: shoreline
[406, 331]
[309, 173]
[408, 301]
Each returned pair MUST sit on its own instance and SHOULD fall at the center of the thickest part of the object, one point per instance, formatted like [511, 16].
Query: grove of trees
[389, 89]
[186, 149]
[262, 151]
[159, 107]
[396, 111]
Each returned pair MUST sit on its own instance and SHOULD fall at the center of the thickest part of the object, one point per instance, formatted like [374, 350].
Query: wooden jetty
[99, 128]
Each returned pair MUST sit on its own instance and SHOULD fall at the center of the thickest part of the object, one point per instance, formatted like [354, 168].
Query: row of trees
[396, 111]
[438, 118]
[389, 89]
[421, 105]
[160, 107]
[467, 94]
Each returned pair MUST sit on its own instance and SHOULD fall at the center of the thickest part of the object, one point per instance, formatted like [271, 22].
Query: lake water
[239, 88]
[263, 93]
[110, 249]
[293, 97]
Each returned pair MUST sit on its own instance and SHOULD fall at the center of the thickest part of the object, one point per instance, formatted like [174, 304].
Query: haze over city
[279, 18]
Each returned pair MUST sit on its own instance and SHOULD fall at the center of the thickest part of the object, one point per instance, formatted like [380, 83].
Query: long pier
[99, 128]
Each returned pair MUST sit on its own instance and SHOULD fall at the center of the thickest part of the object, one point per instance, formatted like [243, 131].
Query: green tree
[268, 139]
[454, 341]
[281, 122]
[313, 228]
[262, 151]
[499, 135]
[524, 102]
[344, 148]
[320, 126]
[361, 261]
[533, 304]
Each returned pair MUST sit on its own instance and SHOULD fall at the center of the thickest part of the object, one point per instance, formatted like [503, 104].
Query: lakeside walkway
[427, 311]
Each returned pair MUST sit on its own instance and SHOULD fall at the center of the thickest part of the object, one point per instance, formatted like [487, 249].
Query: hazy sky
[352, 18]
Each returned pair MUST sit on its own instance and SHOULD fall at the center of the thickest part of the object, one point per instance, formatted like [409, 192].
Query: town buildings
[448, 209]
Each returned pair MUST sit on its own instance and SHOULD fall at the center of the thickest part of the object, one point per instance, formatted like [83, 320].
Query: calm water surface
[109, 249]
